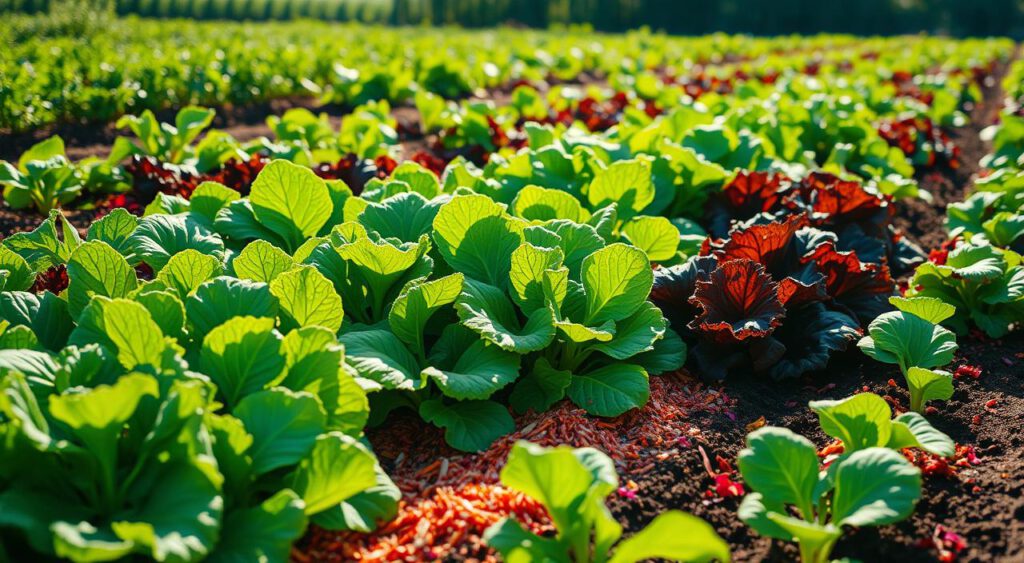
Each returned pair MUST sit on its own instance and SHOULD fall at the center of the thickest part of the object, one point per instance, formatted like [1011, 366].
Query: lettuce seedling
[168, 143]
[993, 216]
[795, 500]
[43, 177]
[985, 283]
[912, 338]
[573, 485]
[864, 421]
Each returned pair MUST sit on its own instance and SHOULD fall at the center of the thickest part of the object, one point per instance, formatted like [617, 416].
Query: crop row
[828, 113]
[193, 378]
[128, 66]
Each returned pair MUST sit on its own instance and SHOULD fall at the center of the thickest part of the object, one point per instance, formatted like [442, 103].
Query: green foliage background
[762, 17]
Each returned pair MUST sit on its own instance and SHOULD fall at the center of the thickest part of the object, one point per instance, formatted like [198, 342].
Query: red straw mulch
[450, 497]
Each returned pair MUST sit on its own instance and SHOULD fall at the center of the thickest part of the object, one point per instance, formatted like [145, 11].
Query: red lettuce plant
[777, 297]
[861, 219]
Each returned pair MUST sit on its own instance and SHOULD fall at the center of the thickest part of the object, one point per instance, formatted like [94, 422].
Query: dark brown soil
[15, 221]
[989, 519]
[244, 122]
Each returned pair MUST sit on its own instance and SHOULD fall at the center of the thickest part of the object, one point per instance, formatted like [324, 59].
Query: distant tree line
[761, 17]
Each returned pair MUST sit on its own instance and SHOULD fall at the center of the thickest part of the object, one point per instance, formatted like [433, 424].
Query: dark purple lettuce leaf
[808, 338]
[674, 286]
[861, 289]
[714, 361]
[770, 245]
[904, 254]
[831, 201]
[738, 301]
[748, 195]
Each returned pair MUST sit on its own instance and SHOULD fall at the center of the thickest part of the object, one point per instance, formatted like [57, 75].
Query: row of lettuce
[818, 111]
[195, 383]
[132, 65]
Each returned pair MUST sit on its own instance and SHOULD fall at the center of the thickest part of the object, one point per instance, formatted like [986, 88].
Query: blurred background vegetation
[761, 17]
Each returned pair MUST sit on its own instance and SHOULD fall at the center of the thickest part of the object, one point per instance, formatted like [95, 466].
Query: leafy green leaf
[616, 281]
[261, 261]
[635, 334]
[417, 302]
[874, 487]
[262, 533]
[307, 298]
[911, 430]
[928, 385]
[187, 270]
[610, 390]
[782, 466]
[674, 535]
[535, 203]
[930, 309]
[217, 300]
[476, 237]
[406, 216]
[291, 201]
[626, 183]
[908, 340]
[541, 388]
[861, 421]
[470, 426]
[97, 269]
[125, 327]
[242, 356]
[378, 355]
[15, 274]
[656, 236]
[480, 371]
[209, 198]
[338, 468]
[159, 237]
[284, 426]
[487, 310]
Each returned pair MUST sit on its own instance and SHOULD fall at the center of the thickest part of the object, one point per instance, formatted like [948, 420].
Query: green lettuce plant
[273, 418]
[166, 142]
[573, 485]
[43, 178]
[795, 500]
[865, 421]
[984, 283]
[994, 216]
[912, 338]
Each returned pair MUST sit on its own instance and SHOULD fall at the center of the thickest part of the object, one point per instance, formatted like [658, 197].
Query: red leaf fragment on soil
[974, 372]
[725, 487]
[932, 465]
[948, 543]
